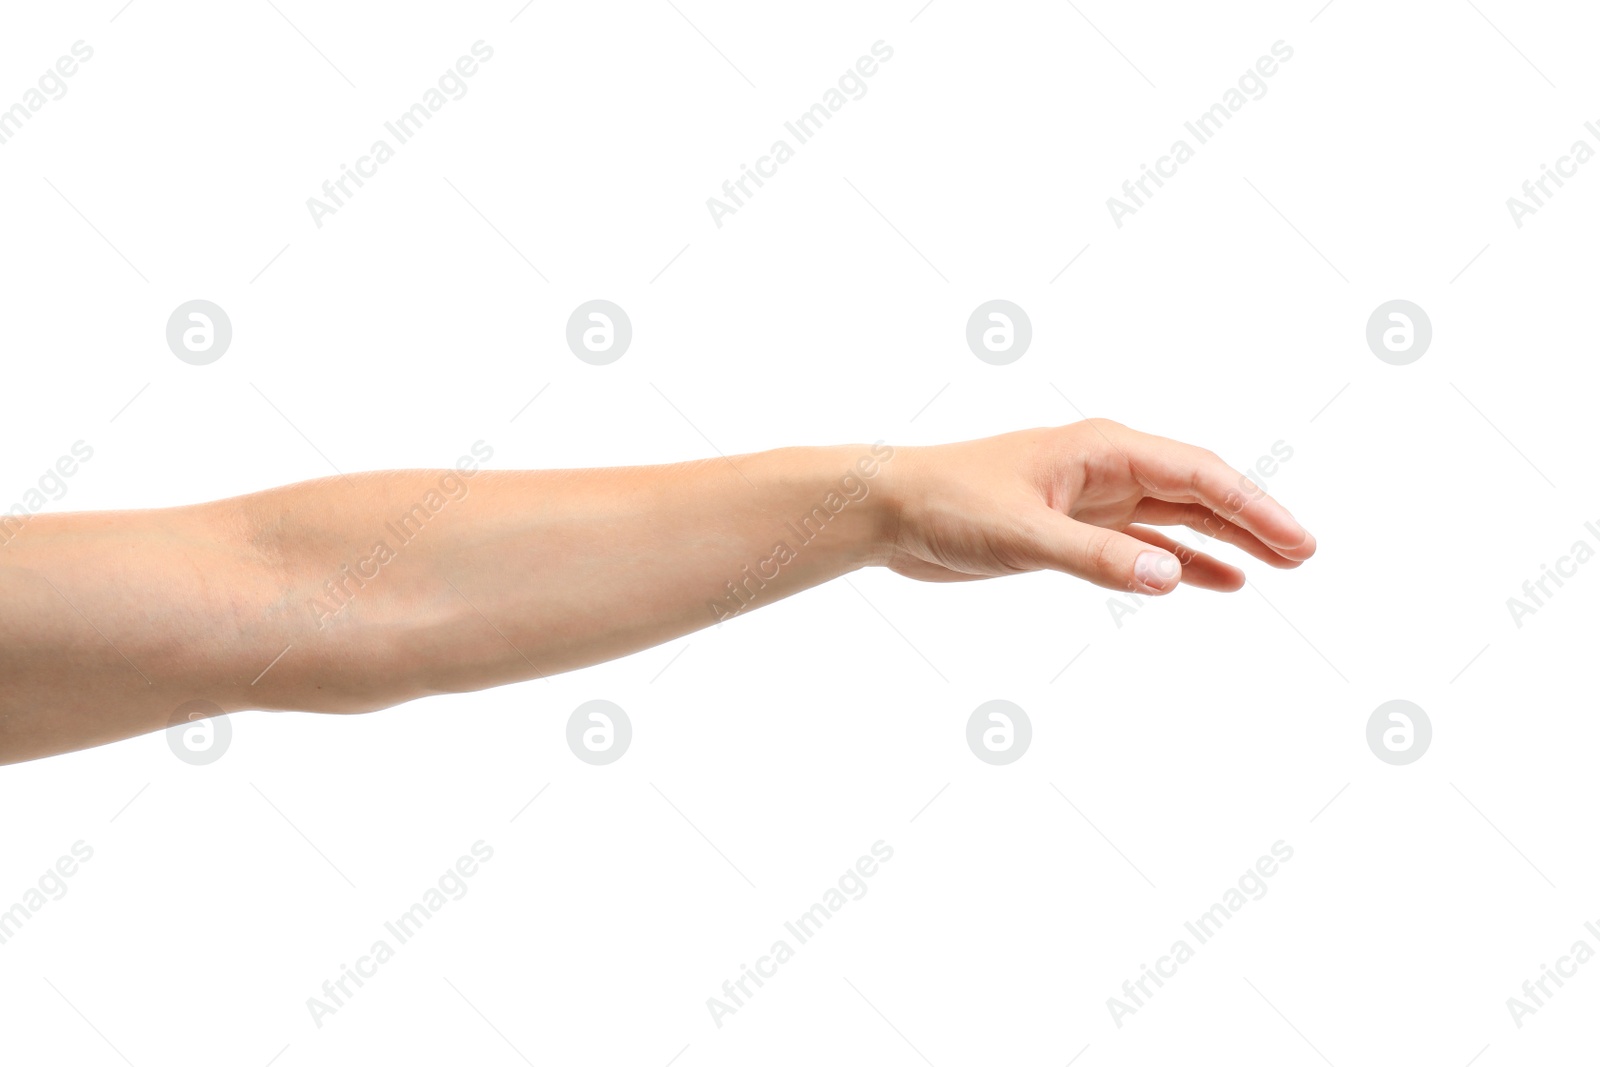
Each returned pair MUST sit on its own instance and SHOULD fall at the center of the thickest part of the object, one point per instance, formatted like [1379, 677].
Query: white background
[1170, 755]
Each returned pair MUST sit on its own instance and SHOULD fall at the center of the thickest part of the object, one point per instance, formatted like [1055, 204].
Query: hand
[1069, 499]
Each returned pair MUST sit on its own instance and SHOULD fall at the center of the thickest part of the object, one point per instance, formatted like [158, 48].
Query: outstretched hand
[1082, 499]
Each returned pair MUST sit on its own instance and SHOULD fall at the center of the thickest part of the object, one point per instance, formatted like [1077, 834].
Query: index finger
[1172, 470]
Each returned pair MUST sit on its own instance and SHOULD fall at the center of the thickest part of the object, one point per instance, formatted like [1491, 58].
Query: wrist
[847, 490]
[887, 502]
[874, 465]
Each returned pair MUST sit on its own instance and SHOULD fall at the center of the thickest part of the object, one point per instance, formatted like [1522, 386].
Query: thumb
[1109, 558]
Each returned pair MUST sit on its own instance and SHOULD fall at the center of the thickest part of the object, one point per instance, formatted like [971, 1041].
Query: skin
[116, 620]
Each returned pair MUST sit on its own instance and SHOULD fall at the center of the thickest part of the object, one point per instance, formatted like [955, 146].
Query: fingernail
[1157, 571]
[1306, 544]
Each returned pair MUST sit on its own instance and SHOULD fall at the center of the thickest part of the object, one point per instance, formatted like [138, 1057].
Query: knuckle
[1100, 550]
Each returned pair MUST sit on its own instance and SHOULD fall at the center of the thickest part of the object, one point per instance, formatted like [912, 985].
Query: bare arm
[368, 591]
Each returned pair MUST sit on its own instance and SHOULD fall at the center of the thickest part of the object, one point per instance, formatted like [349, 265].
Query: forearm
[521, 574]
[368, 591]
